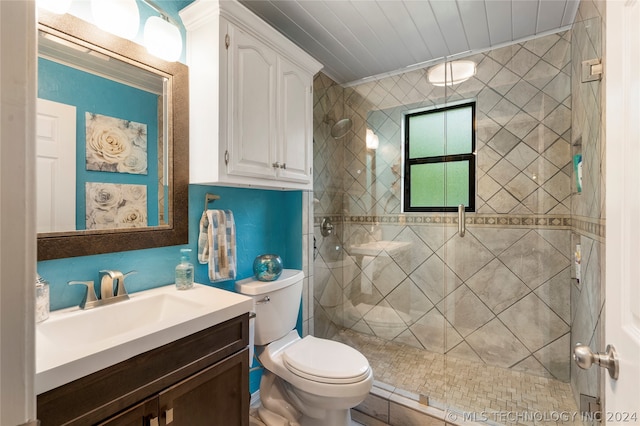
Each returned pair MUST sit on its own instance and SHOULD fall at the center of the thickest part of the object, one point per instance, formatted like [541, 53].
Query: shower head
[341, 128]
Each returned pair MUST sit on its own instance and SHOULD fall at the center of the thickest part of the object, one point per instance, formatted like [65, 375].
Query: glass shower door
[509, 278]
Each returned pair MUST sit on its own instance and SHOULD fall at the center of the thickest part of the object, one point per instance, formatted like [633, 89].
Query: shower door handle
[461, 220]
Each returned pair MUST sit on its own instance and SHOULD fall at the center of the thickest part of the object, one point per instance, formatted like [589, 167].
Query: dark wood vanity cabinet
[199, 380]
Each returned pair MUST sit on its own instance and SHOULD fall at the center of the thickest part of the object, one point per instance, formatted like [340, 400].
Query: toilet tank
[276, 304]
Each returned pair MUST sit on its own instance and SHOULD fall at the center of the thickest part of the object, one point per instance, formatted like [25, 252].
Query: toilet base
[334, 418]
[282, 406]
[339, 417]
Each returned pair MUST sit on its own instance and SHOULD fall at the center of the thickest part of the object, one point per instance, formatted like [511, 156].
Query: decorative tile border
[589, 227]
[593, 228]
[335, 218]
[555, 221]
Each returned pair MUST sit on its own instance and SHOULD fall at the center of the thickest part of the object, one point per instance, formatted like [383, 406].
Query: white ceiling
[356, 39]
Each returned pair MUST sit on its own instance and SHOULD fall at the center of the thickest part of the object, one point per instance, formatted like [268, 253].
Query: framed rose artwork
[114, 205]
[115, 145]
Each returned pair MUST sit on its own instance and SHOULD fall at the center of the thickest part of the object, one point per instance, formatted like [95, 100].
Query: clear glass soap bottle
[184, 271]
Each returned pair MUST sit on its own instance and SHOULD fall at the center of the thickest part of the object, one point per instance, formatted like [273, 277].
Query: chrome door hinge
[226, 158]
[227, 41]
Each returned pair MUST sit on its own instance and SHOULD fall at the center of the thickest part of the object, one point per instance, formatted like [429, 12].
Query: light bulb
[119, 17]
[162, 39]
[371, 140]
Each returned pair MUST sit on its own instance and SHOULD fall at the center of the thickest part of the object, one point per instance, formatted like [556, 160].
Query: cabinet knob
[276, 165]
[283, 166]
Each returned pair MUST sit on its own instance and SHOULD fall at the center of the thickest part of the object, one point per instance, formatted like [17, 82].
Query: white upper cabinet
[250, 100]
[252, 86]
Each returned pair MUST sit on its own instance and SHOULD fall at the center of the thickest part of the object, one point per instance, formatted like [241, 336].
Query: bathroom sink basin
[73, 343]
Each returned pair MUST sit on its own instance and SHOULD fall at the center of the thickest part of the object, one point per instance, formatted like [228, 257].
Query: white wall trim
[17, 211]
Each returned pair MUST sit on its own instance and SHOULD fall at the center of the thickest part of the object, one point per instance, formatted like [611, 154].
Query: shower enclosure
[478, 317]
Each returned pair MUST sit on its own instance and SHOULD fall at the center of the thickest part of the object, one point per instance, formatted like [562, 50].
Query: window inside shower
[439, 159]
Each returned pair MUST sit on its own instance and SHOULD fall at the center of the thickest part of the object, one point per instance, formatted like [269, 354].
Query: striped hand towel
[217, 244]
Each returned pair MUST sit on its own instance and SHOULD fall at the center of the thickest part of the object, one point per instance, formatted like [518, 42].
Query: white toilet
[306, 381]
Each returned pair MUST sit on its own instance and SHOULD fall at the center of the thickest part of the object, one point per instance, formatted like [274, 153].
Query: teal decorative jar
[267, 267]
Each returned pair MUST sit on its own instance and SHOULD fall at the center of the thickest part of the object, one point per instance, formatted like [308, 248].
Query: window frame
[441, 159]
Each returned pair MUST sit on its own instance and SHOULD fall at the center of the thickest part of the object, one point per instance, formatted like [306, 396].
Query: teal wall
[266, 222]
[60, 83]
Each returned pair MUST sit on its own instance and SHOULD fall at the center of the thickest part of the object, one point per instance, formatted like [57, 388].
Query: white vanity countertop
[73, 343]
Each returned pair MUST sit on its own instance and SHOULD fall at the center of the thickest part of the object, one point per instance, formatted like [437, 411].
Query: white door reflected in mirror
[55, 166]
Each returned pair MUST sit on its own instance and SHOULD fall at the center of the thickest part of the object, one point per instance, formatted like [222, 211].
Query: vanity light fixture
[162, 38]
[55, 6]
[371, 140]
[119, 17]
[451, 72]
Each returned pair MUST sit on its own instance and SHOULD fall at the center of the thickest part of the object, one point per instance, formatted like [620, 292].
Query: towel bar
[209, 198]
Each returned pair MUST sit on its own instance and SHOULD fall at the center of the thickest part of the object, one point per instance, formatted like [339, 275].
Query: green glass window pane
[457, 183]
[426, 133]
[427, 185]
[440, 184]
[459, 131]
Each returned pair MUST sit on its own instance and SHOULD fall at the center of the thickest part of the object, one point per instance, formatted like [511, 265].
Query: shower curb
[389, 406]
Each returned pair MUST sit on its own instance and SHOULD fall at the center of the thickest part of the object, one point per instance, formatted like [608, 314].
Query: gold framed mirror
[169, 177]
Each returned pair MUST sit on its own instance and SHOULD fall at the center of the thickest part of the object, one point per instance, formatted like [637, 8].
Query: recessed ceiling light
[452, 72]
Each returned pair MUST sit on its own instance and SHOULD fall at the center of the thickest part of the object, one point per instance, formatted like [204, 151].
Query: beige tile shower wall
[328, 153]
[523, 135]
[505, 287]
[326, 201]
[500, 295]
[587, 207]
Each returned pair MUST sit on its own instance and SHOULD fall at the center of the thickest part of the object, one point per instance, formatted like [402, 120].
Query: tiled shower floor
[512, 397]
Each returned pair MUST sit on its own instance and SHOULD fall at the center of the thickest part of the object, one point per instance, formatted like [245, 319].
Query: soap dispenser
[184, 271]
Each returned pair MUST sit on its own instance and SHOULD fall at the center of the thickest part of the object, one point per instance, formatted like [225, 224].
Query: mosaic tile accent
[461, 385]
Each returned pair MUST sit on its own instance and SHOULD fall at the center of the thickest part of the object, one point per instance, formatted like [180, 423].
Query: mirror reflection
[101, 140]
[119, 179]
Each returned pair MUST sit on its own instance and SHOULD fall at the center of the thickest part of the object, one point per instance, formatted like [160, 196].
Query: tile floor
[511, 397]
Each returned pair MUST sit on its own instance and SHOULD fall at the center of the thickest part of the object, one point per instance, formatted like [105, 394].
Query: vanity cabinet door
[251, 105]
[215, 396]
[142, 414]
[295, 118]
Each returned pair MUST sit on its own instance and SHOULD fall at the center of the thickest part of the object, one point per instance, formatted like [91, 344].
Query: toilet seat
[326, 361]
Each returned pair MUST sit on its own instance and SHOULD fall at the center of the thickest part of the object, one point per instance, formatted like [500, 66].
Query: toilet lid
[326, 361]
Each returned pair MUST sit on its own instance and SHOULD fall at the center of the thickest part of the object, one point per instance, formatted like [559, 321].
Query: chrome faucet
[112, 289]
